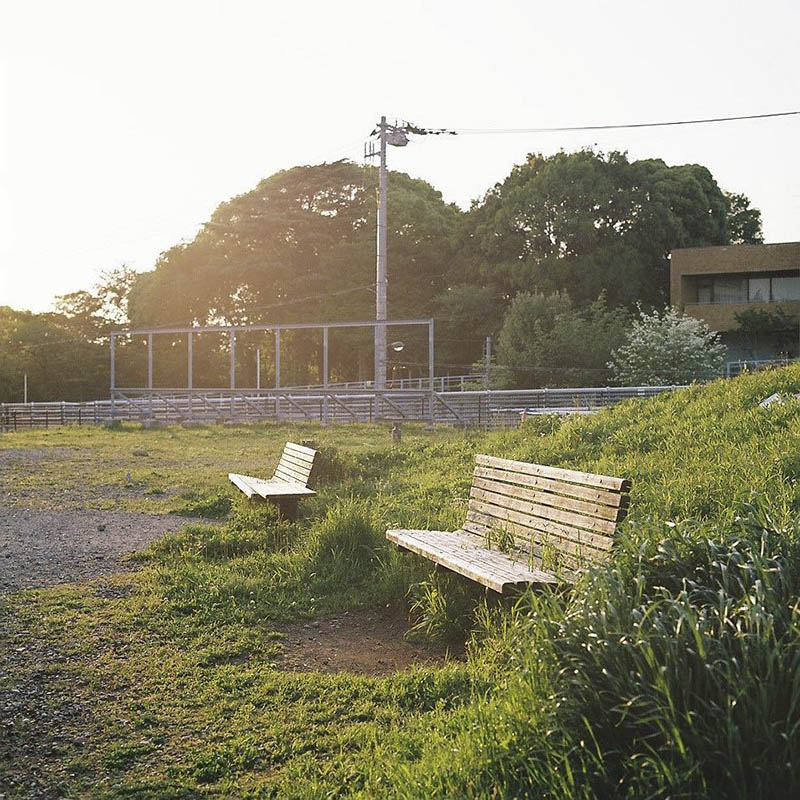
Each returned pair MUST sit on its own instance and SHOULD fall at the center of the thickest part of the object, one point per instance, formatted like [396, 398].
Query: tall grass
[676, 674]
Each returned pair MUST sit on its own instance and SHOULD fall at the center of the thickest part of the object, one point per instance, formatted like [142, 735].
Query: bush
[346, 545]
[668, 349]
[673, 673]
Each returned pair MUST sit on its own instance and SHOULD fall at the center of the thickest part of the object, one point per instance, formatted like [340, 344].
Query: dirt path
[43, 548]
[366, 642]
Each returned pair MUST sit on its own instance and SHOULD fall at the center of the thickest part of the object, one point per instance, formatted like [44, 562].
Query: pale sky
[124, 125]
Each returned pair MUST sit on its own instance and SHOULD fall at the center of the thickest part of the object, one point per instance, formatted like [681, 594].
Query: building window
[730, 289]
[742, 289]
[758, 290]
[785, 288]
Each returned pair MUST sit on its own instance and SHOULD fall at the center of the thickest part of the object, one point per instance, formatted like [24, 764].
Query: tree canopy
[557, 234]
[587, 223]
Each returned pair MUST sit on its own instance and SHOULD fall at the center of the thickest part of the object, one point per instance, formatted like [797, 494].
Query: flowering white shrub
[668, 348]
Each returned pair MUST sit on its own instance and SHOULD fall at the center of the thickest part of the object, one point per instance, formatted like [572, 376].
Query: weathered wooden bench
[526, 523]
[287, 485]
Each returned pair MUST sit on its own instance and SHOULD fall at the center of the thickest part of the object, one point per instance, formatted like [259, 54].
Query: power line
[567, 128]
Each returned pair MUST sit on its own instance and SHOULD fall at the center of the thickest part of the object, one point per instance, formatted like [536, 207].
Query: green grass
[672, 672]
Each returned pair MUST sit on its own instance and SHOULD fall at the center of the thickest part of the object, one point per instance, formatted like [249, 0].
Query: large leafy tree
[301, 247]
[587, 223]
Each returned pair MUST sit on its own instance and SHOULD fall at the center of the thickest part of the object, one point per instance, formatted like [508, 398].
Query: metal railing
[734, 368]
[441, 383]
[486, 409]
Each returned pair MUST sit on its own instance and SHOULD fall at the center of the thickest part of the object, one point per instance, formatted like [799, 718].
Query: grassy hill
[674, 671]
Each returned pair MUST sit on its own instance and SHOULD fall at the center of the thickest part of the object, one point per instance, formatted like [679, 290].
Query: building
[750, 293]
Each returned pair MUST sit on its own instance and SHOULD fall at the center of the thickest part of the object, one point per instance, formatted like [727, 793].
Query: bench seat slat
[465, 555]
[556, 473]
[267, 489]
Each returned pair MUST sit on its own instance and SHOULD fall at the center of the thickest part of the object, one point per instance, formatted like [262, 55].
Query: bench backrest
[558, 518]
[295, 464]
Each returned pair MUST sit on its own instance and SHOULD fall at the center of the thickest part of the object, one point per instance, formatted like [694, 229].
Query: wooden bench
[287, 485]
[526, 523]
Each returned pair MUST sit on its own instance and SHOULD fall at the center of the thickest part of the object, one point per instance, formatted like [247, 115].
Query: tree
[301, 247]
[667, 348]
[744, 222]
[547, 342]
[586, 222]
[465, 315]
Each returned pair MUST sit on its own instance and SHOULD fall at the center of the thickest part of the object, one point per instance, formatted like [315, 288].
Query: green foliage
[672, 671]
[547, 342]
[204, 504]
[586, 223]
[347, 544]
[744, 222]
[667, 349]
[443, 608]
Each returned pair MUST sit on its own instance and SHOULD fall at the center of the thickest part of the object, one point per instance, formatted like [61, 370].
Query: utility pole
[381, 280]
[395, 134]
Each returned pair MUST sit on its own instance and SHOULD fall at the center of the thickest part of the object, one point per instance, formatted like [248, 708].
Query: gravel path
[43, 548]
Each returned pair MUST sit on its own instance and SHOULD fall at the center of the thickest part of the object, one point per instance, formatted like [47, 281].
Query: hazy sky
[123, 125]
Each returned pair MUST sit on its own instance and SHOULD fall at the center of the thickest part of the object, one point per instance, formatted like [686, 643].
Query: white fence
[485, 409]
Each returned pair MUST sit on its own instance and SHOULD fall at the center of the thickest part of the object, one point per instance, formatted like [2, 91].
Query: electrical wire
[627, 125]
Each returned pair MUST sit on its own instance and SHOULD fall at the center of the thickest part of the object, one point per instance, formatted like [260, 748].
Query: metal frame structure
[276, 328]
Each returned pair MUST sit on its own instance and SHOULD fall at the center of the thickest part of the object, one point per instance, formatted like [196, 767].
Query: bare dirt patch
[369, 643]
[43, 548]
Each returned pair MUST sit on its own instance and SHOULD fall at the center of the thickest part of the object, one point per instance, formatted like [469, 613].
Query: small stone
[101, 527]
[141, 453]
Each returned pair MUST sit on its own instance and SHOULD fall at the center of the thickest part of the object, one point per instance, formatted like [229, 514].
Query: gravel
[44, 548]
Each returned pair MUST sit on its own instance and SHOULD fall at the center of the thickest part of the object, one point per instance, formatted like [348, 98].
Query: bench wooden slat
[547, 534]
[242, 482]
[545, 512]
[287, 472]
[550, 499]
[556, 473]
[456, 551]
[250, 486]
[290, 460]
[608, 498]
[570, 555]
[301, 449]
[554, 532]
